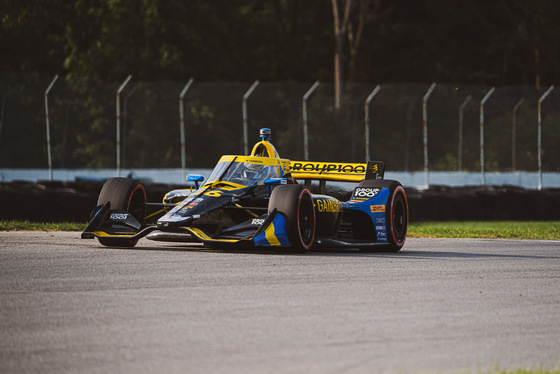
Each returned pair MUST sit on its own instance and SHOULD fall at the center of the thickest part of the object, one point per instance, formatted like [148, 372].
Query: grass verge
[486, 229]
[525, 371]
[453, 229]
[40, 226]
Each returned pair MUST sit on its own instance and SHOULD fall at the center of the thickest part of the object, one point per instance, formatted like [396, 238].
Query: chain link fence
[83, 131]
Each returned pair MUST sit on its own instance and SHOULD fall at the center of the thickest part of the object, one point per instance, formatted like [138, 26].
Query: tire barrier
[484, 203]
[54, 201]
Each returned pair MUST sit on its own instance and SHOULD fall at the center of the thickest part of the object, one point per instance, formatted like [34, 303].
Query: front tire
[123, 194]
[296, 203]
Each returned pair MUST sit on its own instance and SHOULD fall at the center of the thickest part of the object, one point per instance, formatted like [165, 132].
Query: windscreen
[218, 171]
[248, 174]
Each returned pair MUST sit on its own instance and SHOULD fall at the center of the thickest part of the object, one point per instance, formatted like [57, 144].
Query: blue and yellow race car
[260, 200]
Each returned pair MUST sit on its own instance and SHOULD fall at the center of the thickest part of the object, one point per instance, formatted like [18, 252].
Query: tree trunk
[340, 26]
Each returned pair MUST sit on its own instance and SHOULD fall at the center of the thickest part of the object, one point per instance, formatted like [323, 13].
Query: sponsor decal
[380, 220]
[377, 208]
[365, 193]
[118, 216]
[327, 206]
[380, 228]
[214, 193]
[257, 221]
[325, 167]
[192, 203]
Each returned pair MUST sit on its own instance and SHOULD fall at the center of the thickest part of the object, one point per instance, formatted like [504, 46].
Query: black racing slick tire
[396, 213]
[295, 202]
[123, 194]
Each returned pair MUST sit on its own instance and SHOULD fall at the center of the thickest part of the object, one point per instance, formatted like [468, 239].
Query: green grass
[40, 226]
[453, 229]
[526, 371]
[486, 229]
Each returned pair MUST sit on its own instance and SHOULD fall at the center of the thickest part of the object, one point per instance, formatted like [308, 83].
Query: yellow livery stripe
[255, 160]
[104, 234]
[202, 236]
[270, 236]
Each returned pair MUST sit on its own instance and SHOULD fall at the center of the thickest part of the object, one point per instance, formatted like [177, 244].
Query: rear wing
[336, 171]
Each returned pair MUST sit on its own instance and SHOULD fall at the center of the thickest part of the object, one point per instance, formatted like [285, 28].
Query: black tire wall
[47, 201]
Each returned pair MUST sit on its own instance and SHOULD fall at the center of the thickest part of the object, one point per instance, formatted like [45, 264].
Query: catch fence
[409, 127]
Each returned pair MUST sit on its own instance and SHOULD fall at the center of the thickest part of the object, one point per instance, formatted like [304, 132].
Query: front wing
[119, 224]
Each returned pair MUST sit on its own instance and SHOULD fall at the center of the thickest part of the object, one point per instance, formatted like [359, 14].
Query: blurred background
[224, 46]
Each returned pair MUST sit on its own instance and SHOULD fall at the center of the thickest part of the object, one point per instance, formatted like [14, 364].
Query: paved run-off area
[439, 305]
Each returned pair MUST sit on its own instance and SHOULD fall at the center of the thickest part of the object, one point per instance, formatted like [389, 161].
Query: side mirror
[196, 178]
[269, 182]
[275, 181]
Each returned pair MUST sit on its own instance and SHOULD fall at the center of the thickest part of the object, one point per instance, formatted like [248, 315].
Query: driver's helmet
[253, 172]
[237, 171]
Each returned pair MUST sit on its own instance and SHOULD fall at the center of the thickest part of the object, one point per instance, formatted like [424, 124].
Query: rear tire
[123, 194]
[396, 214]
[296, 203]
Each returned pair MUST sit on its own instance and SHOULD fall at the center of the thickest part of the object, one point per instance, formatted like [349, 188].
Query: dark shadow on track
[346, 252]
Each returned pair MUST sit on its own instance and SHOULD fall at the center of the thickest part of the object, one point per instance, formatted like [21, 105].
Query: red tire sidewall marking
[306, 191]
[136, 188]
[401, 189]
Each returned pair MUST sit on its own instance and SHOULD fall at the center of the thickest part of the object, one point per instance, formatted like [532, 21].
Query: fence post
[182, 128]
[245, 123]
[425, 131]
[304, 113]
[2, 113]
[539, 132]
[366, 118]
[49, 155]
[514, 132]
[486, 97]
[124, 120]
[460, 148]
[119, 124]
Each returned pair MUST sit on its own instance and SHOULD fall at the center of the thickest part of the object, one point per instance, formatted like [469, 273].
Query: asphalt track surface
[439, 305]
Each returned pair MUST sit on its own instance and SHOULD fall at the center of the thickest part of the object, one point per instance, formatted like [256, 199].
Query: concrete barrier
[525, 179]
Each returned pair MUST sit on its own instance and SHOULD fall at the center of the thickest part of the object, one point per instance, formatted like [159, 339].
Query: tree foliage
[482, 42]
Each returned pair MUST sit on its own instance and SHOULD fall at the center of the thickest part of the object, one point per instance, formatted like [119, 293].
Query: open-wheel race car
[260, 200]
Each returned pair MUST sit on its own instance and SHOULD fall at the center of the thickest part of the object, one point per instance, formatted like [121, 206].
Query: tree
[369, 11]
[340, 24]
[349, 24]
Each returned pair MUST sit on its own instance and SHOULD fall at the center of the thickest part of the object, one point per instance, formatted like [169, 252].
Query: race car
[260, 200]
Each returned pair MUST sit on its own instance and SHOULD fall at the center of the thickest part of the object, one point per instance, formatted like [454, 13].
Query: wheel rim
[137, 203]
[306, 221]
[399, 218]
